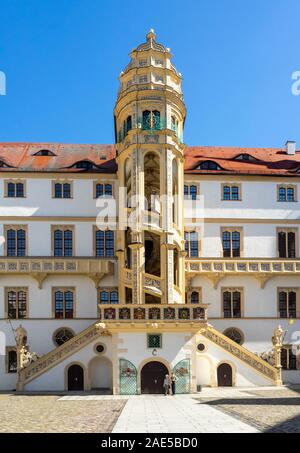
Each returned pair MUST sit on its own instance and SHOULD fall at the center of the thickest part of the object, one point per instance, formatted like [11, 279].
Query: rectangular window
[287, 303]
[190, 192]
[231, 192]
[288, 359]
[63, 303]
[287, 243]
[62, 190]
[286, 193]
[63, 237]
[16, 303]
[143, 79]
[154, 341]
[104, 241]
[232, 303]
[11, 359]
[108, 296]
[103, 190]
[191, 244]
[231, 243]
[15, 240]
[14, 189]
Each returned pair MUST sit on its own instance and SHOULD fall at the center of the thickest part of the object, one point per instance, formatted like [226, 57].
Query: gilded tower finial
[151, 35]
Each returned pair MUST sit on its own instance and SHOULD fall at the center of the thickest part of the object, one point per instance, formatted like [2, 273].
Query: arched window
[85, 165]
[235, 335]
[61, 336]
[12, 362]
[44, 152]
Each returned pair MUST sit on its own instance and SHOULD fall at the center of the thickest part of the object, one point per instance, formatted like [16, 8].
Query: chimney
[290, 147]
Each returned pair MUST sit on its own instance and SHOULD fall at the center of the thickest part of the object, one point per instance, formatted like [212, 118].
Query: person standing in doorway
[167, 384]
[173, 383]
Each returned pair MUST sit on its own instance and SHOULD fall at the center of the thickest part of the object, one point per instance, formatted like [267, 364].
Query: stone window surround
[62, 181]
[7, 289]
[154, 334]
[103, 182]
[231, 185]
[288, 290]
[62, 228]
[95, 229]
[287, 186]
[287, 230]
[233, 289]
[14, 181]
[288, 347]
[194, 289]
[63, 289]
[194, 230]
[15, 228]
[231, 230]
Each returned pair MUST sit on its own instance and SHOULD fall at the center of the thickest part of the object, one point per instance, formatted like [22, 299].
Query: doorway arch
[75, 378]
[152, 377]
[224, 373]
[100, 374]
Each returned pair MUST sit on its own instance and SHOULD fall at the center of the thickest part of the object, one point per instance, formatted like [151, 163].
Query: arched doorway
[100, 370]
[224, 375]
[152, 377]
[75, 378]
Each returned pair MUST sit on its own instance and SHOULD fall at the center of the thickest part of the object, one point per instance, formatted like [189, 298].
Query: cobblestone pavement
[269, 410]
[50, 414]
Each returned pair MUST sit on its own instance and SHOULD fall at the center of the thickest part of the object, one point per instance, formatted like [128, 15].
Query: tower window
[151, 120]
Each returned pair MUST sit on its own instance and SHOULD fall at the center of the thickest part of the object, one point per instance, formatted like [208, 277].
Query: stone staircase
[57, 355]
[244, 355]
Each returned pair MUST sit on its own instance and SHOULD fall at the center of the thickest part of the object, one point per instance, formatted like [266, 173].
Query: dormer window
[208, 165]
[246, 158]
[85, 165]
[3, 164]
[44, 152]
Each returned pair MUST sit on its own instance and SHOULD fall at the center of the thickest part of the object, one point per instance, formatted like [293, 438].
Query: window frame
[15, 228]
[15, 182]
[104, 183]
[232, 290]
[231, 186]
[95, 230]
[286, 187]
[63, 228]
[9, 349]
[286, 231]
[17, 290]
[288, 290]
[232, 230]
[64, 290]
[62, 182]
[187, 243]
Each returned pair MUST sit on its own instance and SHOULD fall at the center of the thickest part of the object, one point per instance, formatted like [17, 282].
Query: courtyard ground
[219, 410]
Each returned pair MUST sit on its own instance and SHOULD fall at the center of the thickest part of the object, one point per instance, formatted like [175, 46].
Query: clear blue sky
[62, 59]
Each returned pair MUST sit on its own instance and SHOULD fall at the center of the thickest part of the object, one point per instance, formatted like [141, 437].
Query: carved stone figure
[278, 336]
[21, 336]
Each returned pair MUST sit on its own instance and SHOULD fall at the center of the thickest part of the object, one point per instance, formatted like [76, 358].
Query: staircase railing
[57, 355]
[243, 354]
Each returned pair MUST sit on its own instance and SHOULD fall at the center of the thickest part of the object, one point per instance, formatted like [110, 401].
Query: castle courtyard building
[122, 263]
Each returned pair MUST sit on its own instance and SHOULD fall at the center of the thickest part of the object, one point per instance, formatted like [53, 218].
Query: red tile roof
[269, 161]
